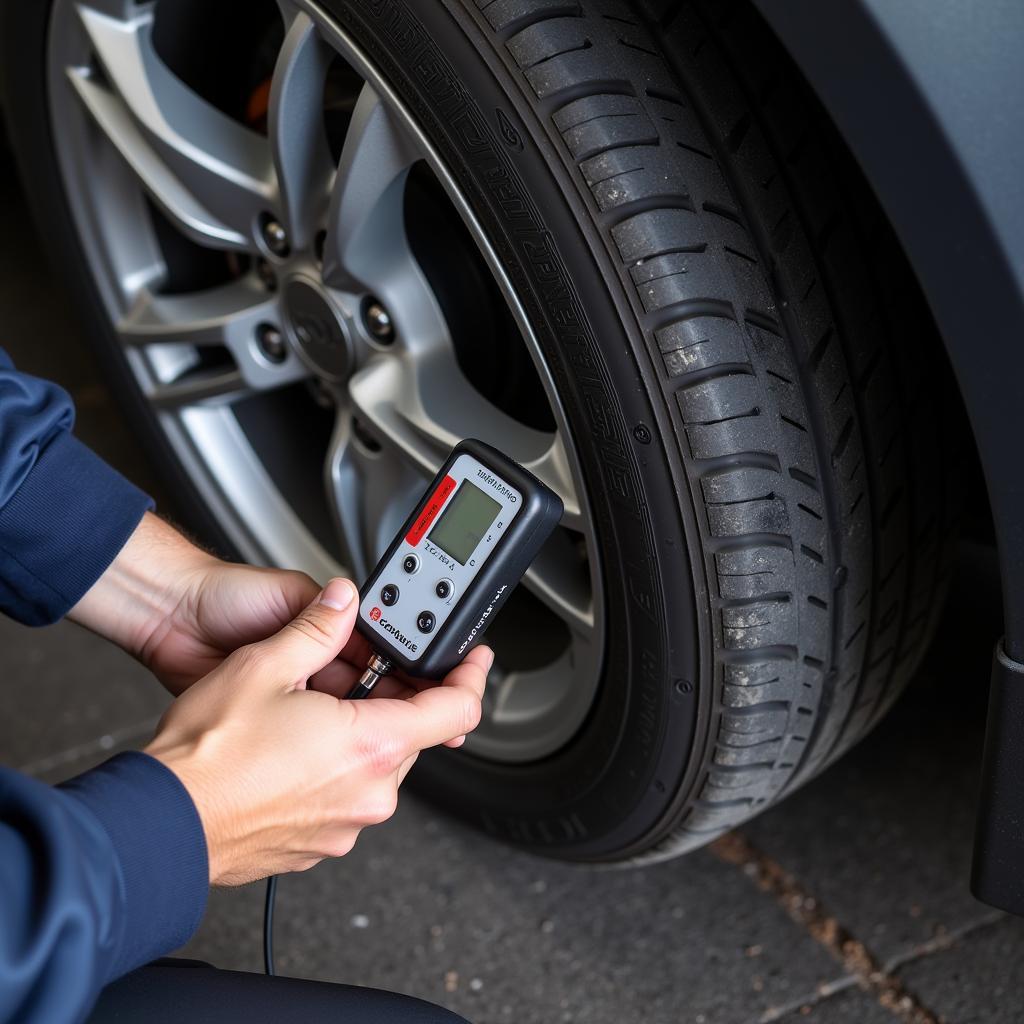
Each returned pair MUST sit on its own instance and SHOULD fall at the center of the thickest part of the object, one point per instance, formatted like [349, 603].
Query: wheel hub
[317, 330]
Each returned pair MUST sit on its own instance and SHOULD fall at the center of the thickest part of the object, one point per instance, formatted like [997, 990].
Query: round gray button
[410, 564]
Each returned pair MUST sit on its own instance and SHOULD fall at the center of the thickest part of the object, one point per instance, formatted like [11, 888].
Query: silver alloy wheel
[131, 136]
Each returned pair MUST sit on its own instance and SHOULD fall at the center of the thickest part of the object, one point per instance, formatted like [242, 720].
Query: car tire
[752, 380]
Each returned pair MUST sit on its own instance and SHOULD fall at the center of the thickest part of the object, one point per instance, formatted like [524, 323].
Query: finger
[284, 593]
[472, 672]
[485, 661]
[339, 677]
[392, 688]
[408, 685]
[436, 714]
[413, 683]
[357, 652]
[296, 590]
[314, 637]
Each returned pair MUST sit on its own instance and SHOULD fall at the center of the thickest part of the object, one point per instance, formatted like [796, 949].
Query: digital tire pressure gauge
[466, 545]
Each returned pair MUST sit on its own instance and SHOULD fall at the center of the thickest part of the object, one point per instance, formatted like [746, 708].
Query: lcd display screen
[464, 522]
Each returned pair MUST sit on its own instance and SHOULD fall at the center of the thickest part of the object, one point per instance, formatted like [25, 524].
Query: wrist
[203, 791]
[144, 589]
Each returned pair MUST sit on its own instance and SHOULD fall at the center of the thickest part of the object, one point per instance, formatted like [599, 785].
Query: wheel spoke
[343, 480]
[365, 231]
[209, 174]
[227, 316]
[369, 496]
[298, 143]
[203, 388]
[552, 467]
[289, 10]
[559, 577]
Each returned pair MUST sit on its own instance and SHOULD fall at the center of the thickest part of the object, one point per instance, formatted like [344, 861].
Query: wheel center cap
[317, 330]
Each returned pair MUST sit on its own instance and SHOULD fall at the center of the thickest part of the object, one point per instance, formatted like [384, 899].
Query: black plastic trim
[998, 872]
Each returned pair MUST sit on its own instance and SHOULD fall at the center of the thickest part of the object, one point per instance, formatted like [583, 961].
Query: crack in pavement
[944, 940]
[805, 910]
[824, 992]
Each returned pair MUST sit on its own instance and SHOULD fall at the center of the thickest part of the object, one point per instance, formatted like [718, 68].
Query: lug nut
[274, 235]
[271, 343]
[378, 322]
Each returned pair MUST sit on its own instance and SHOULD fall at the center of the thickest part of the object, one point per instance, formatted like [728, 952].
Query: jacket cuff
[61, 529]
[159, 842]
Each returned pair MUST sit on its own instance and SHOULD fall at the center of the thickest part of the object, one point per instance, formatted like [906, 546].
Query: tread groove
[722, 211]
[812, 554]
[802, 477]
[525, 21]
[614, 216]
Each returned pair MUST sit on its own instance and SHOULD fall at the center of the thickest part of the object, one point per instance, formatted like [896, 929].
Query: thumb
[314, 638]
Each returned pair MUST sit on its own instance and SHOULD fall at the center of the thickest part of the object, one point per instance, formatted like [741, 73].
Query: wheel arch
[924, 94]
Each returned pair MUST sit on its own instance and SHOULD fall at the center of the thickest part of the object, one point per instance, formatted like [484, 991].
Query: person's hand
[180, 610]
[222, 606]
[284, 775]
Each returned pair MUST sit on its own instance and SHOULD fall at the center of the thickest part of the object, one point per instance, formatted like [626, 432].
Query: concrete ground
[847, 903]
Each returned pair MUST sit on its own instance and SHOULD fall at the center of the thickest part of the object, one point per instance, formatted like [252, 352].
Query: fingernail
[490, 660]
[338, 594]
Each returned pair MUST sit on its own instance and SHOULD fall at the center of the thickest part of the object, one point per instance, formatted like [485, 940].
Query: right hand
[284, 776]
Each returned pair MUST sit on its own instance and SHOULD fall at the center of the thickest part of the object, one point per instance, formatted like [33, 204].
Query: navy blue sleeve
[97, 877]
[64, 513]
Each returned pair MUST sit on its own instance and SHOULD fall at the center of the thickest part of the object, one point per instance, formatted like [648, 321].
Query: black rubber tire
[795, 377]
[750, 374]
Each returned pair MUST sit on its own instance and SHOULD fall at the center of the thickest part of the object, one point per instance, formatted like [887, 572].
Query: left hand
[223, 607]
[180, 610]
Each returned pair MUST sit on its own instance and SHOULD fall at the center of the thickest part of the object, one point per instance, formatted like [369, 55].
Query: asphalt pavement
[846, 903]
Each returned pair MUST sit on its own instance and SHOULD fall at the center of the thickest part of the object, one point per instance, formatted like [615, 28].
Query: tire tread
[796, 353]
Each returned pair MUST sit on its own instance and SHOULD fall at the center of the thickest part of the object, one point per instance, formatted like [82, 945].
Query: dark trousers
[191, 992]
